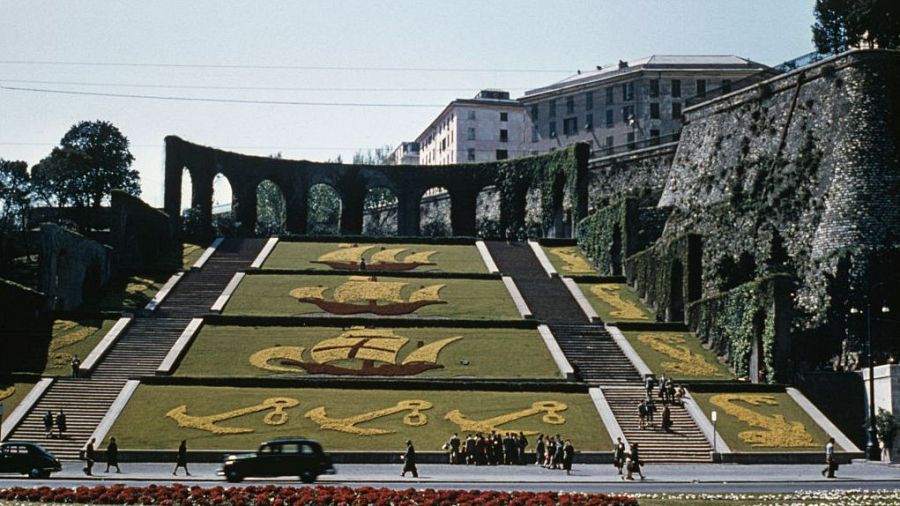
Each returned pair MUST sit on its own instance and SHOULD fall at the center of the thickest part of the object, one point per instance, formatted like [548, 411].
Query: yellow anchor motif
[776, 432]
[208, 423]
[550, 409]
[415, 418]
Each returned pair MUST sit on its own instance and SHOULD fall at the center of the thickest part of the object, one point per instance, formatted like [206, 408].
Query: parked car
[280, 457]
[27, 458]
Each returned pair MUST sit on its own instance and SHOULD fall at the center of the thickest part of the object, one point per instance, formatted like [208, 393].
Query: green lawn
[616, 302]
[190, 253]
[471, 299]
[447, 258]
[224, 351]
[569, 261]
[144, 424]
[73, 338]
[11, 394]
[775, 415]
[130, 293]
[677, 355]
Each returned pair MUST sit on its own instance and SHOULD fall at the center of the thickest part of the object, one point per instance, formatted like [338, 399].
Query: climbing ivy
[596, 234]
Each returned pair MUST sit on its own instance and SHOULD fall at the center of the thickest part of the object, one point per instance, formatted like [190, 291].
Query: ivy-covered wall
[667, 275]
[614, 232]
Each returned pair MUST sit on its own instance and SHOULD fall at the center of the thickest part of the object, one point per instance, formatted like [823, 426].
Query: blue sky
[457, 48]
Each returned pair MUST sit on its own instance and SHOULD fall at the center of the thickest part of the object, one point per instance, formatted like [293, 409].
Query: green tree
[270, 211]
[92, 160]
[845, 24]
[324, 211]
[15, 203]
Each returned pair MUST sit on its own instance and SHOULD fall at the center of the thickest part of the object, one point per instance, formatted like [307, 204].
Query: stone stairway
[137, 352]
[594, 355]
[84, 401]
[685, 443]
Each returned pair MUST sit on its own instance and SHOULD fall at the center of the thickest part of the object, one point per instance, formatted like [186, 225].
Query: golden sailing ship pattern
[350, 257]
[366, 294]
[376, 350]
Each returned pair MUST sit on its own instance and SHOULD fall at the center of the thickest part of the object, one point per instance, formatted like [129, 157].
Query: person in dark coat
[181, 458]
[76, 363]
[666, 419]
[61, 424]
[89, 458]
[409, 460]
[636, 462]
[470, 449]
[551, 452]
[619, 455]
[523, 443]
[509, 449]
[454, 444]
[539, 450]
[48, 423]
[568, 456]
[479, 450]
[112, 455]
[560, 453]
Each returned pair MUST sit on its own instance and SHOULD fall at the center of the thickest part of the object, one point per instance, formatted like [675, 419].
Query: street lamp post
[715, 436]
[872, 452]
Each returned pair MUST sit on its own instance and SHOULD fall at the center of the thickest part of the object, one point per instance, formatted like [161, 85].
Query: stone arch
[187, 191]
[325, 209]
[757, 357]
[435, 209]
[675, 311]
[271, 207]
[380, 207]
[222, 205]
[558, 222]
[534, 211]
[487, 213]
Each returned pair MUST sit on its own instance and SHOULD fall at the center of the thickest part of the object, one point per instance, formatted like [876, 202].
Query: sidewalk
[661, 473]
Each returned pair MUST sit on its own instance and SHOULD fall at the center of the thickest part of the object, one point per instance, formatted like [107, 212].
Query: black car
[280, 457]
[27, 458]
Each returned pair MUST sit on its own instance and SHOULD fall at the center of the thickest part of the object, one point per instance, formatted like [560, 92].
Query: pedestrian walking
[636, 462]
[454, 445]
[48, 423]
[619, 455]
[666, 419]
[409, 460]
[651, 412]
[642, 414]
[89, 458]
[112, 455]
[830, 465]
[76, 363]
[539, 451]
[181, 459]
[648, 386]
[523, 443]
[61, 424]
[560, 453]
[568, 456]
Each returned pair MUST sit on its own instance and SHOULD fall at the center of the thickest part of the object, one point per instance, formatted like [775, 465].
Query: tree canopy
[845, 24]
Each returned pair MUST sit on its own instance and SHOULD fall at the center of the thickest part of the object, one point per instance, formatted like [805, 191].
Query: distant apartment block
[637, 103]
[407, 153]
[486, 128]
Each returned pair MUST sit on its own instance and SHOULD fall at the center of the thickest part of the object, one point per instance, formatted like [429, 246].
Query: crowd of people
[510, 449]
[668, 393]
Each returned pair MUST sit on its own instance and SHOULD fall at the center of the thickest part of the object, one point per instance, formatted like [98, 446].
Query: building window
[470, 135]
[589, 101]
[609, 118]
[676, 87]
[504, 116]
[553, 108]
[534, 112]
[654, 136]
[589, 122]
[630, 138]
[471, 114]
[570, 105]
[654, 110]
[627, 113]
[535, 134]
[570, 126]
[504, 135]
[628, 91]
[726, 85]
[676, 110]
[502, 154]
[701, 87]
[609, 144]
[470, 154]
[552, 130]
[654, 88]
[609, 95]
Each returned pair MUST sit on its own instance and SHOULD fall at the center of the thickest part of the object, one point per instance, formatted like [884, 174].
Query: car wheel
[36, 473]
[307, 477]
[233, 476]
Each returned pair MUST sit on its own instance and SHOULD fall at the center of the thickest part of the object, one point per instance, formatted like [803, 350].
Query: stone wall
[641, 174]
[143, 238]
[73, 269]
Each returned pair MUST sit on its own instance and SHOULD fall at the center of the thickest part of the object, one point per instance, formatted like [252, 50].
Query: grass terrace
[190, 253]
[319, 256]
[331, 295]
[69, 338]
[12, 393]
[762, 422]
[569, 261]
[677, 355]
[616, 302]
[228, 351]
[129, 293]
[223, 418]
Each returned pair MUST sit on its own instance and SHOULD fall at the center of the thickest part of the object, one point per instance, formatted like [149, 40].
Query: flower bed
[417, 257]
[569, 261]
[677, 355]
[11, 394]
[271, 495]
[616, 302]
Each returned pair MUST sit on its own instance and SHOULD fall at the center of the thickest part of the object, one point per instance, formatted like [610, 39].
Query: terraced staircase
[137, 352]
[594, 355]
[685, 442]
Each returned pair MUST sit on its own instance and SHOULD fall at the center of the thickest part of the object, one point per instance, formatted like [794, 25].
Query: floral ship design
[350, 257]
[376, 351]
[362, 294]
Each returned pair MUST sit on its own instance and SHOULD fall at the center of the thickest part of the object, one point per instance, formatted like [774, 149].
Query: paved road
[585, 478]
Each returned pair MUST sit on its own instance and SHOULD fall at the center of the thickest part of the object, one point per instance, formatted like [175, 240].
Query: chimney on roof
[599, 67]
[579, 71]
[623, 64]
